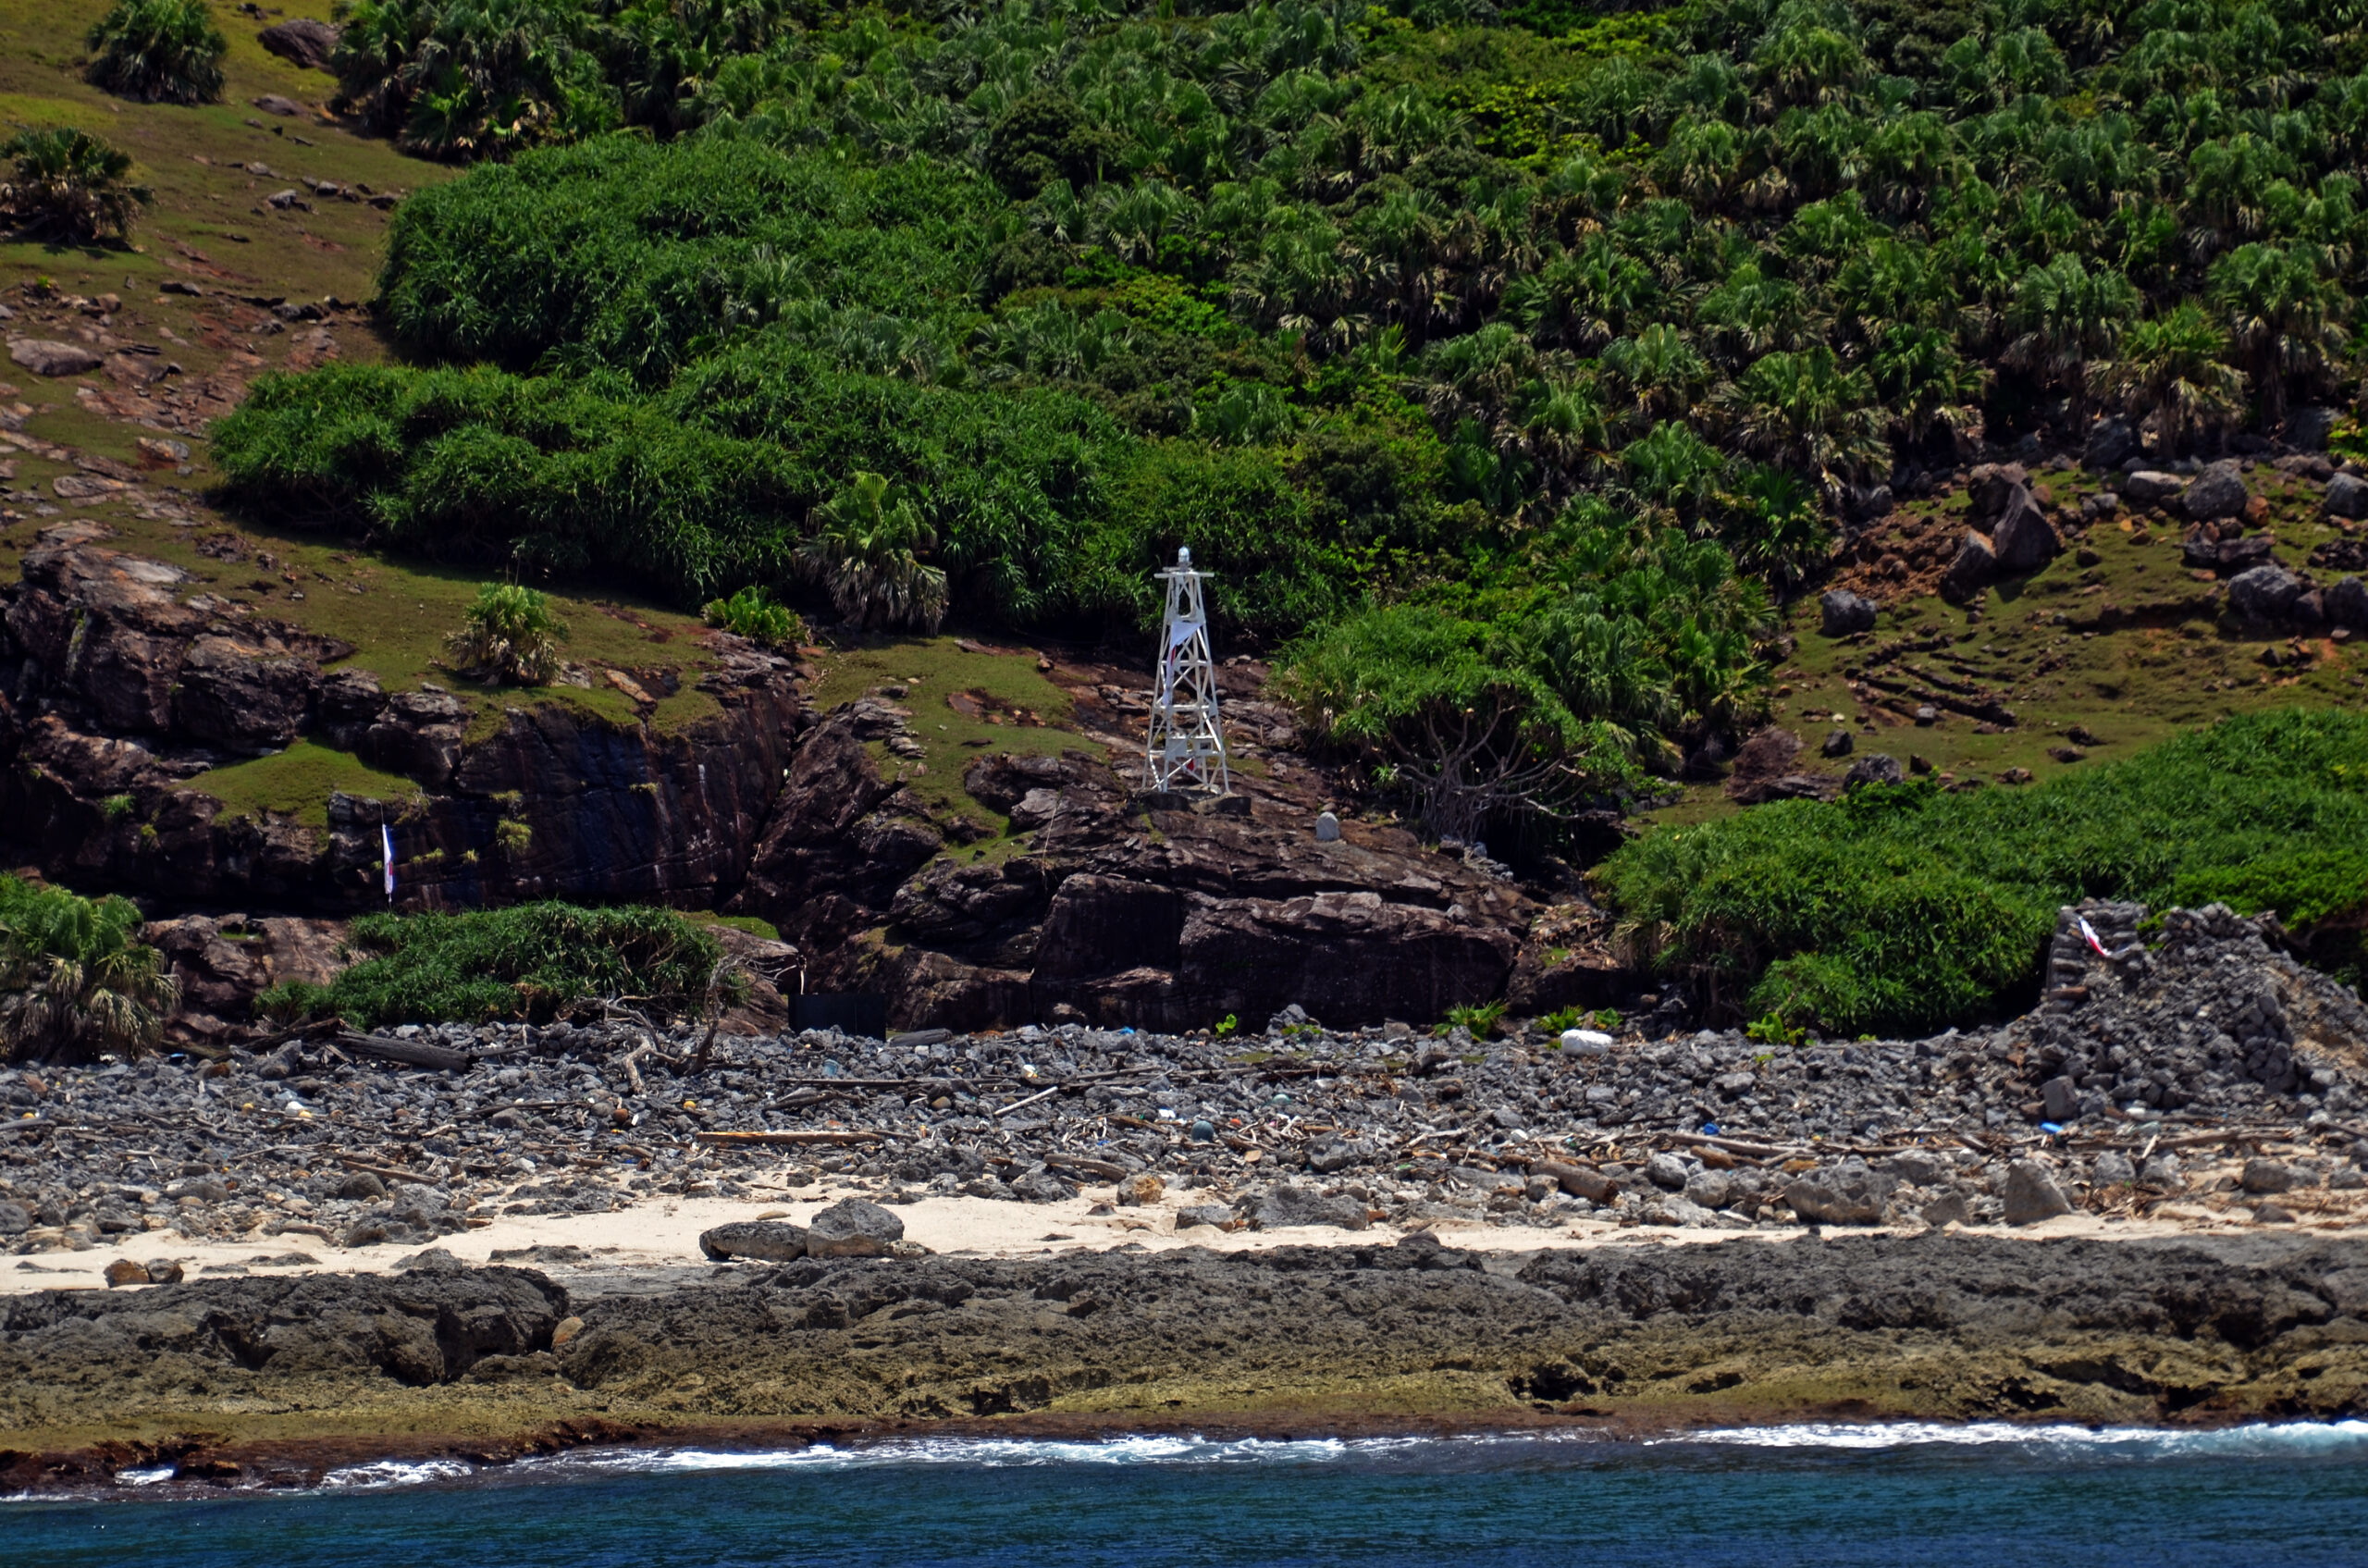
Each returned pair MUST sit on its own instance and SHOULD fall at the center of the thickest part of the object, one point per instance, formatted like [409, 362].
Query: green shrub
[509, 634]
[533, 962]
[1905, 907]
[74, 978]
[751, 614]
[67, 185]
[158, 51]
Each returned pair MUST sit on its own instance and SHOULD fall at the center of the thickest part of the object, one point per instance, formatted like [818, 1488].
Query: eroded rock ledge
[1941, 1326]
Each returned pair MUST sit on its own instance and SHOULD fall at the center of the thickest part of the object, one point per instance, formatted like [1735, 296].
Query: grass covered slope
[1902, 908]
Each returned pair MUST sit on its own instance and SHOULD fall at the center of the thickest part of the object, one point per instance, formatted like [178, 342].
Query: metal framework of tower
[1186, 748]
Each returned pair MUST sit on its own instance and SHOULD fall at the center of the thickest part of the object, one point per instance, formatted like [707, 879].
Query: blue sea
[1816, 1496]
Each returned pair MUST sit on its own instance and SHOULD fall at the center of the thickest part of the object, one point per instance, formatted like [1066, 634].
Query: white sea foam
[986, 1453]
[384, 1472]
[2262, 1439]
[143, 1478]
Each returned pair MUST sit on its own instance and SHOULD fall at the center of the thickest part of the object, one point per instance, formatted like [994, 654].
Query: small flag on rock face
[386, 839]
[2087, 931]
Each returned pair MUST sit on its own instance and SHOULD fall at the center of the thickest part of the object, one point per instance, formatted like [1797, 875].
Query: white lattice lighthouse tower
[1187, 745]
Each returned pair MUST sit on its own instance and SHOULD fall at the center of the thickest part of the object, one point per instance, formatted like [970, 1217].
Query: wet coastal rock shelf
[2197, 1331]
[2202, 1074]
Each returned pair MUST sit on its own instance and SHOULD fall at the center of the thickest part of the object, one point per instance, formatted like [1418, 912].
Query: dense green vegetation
[67, 184]
[509, 634]
[75, 978]
[1902, 907]
[532, 961]
[159, 51]
[1354, 301]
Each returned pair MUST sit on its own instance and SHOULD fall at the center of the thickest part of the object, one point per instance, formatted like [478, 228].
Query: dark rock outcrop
[300, 41]
[120, 690]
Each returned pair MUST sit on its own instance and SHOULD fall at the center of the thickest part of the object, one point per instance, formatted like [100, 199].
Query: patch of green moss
[298, 783]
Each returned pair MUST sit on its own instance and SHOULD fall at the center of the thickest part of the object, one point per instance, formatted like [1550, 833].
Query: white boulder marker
[1186, 748]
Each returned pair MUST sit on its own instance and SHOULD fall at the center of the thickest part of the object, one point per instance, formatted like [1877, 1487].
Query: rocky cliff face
[116, 691]
[1121, 908]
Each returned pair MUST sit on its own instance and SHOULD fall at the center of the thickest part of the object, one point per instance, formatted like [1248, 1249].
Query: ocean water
[1819, 1496]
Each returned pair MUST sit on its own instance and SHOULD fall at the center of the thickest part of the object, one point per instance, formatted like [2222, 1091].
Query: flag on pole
[387, 840]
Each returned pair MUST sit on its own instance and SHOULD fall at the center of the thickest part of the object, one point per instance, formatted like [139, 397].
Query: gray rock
[2218, 491]
[1845, 1194]
[1711, 1189]
[767, 1241]
[1918, 1168]
[1676, 1209]
[1976, 564]
[2112, 1169]
[15, 1219]
[1327, 828]
[2110, 443]
[2346, 497]
[1292, 1203]
[301, 40]
[1203, 1214]
[1842, 612]
[362, 1185]
[2029, 1195]
[2162, 1170]
[1948, 1209]
[2307, 429]
[2268, 1176]
[1874, 768]
[2346, 604]
[2151, 486]
[2024, 539]
[1041, 1187]
[2265, 593]
[853, 1229]
[44, 357]
[1667, 1172]
[2059, 1099]
[1838, 744]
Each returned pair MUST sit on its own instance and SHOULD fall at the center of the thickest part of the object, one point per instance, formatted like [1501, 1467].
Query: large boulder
[1842, 612]
[1991, 488]
[2346, 604]
[1975, 565]
[301, 40]
[1849, 1193]
[853, 1229]
[2264, 595]
[44, 357]
[2346, 497]
[766, 1240]
[2111, 444]
[2205, 548]
[2151, 486]
[2029, 1195]
[2219, 491]
[1294, 1203]
[1874, 768]
[2024, 539]
[2307, 429]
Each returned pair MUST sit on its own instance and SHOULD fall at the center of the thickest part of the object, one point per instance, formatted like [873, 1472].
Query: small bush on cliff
[866, 552]
[1902, 907]
[510, 636]
[533, 961]
[158, 51]
[68, 185]
[751, 614]
[75, 979]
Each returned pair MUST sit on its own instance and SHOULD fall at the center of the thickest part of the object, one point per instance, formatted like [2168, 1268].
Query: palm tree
[865, 552]
[509, 634]
[1807, 411]
[69, 185]
[74, 979]
[2281, 314]
[2065, 317]
[158, 52]
[2171, 368]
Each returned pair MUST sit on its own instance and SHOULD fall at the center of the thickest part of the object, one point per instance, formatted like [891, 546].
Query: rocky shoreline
[270, 1381]
[2200, 1074]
